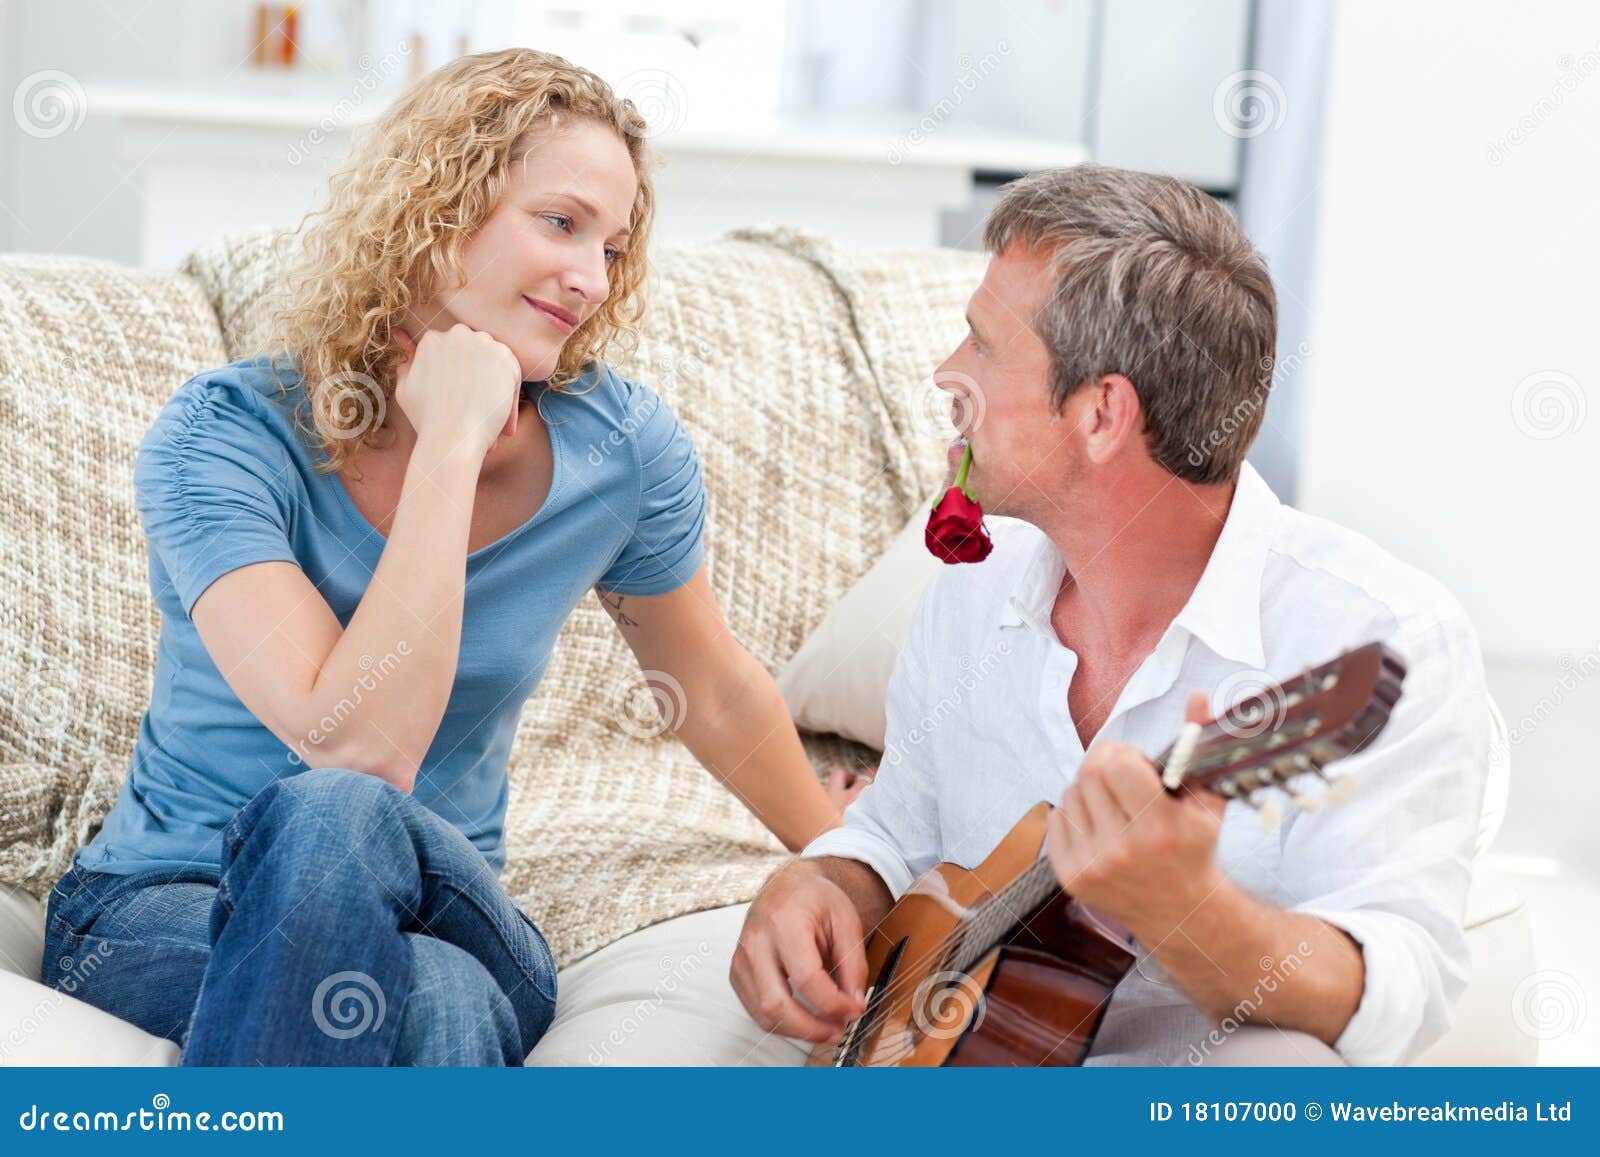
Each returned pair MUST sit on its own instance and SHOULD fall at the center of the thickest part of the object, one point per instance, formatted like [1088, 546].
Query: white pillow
[839, 678]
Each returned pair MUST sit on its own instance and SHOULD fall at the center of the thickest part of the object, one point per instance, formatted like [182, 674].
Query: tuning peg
[1301, 801]
[1269, 814]
[1340, 792]
[1305, 803]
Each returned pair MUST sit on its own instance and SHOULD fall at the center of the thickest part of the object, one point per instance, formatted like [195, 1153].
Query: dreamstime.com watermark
[74, 973]
[1273, 974]
[1244, 411]
[1549, 1004]
[649, 704]
[665, 368]
[370, 78]
[658, 97]
[1571, 71]
[972, 674]
[373, 673]
[1574, 672]
[160, 1117]
[347, 1004]
[43, 702]
[966, 83]
[674, 974]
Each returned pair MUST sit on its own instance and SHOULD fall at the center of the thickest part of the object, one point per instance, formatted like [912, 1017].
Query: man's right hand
[802, 935]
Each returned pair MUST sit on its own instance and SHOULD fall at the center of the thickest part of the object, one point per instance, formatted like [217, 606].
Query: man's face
[547, 247]
[999, 382]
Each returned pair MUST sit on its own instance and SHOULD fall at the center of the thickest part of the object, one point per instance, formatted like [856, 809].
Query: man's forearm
[861, 884]
[1238, 958]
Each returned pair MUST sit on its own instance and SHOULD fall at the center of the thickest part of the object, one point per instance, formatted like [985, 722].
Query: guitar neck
[1265, 740]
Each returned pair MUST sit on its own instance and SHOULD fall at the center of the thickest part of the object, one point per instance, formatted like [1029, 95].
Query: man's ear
[1115, 415]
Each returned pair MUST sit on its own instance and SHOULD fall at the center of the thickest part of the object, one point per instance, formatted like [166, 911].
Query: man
[1115, 374]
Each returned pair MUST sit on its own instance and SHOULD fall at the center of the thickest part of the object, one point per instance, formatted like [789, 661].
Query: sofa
[802, 373]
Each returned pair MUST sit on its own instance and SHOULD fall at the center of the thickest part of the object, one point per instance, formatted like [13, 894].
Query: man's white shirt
[979, 730]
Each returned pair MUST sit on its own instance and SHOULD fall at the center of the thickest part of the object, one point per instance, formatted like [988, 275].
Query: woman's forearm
[385, 684]
[750, 744]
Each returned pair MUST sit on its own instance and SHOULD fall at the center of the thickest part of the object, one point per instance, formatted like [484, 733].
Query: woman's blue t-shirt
[224, 479]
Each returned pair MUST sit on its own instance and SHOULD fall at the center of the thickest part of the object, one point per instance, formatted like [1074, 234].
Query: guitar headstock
[1278, 733]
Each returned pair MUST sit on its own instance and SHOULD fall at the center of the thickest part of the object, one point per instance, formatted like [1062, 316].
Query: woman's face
[538, 267]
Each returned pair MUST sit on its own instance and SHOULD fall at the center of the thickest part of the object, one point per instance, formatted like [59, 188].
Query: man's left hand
[1122, 845]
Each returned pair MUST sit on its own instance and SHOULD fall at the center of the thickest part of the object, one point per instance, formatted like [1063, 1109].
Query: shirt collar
[1224, 610]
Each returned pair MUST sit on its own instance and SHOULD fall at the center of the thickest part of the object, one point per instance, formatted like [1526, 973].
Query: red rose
[955, 528]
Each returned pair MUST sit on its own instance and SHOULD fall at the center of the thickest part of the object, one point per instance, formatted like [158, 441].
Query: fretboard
[1002, 912]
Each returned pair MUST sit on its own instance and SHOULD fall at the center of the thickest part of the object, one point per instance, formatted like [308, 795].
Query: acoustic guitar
[996, 965]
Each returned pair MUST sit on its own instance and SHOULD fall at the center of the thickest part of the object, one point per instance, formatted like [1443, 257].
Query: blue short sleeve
[664, 549]
[212, 483]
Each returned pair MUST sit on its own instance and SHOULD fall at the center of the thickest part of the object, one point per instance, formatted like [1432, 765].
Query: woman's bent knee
[332, 786]
[345, 810]
[454, 1012]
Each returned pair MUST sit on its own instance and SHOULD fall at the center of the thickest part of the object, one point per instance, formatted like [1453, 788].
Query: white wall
[1455, 260]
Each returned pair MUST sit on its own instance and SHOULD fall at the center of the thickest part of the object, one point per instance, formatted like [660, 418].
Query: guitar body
[997, 966]
[1036, 999]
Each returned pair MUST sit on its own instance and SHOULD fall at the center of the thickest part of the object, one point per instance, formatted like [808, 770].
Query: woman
[363, 548]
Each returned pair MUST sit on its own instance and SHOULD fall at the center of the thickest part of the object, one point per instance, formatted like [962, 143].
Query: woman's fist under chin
[459, 389]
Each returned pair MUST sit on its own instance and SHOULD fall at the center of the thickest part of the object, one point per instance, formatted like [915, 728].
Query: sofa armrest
[21, 932]
[1484, 1029]
[41, 1026]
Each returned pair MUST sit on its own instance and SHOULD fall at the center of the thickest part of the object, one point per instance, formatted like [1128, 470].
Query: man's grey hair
[1155, 281]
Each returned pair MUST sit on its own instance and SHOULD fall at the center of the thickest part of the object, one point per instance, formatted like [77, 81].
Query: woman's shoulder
[607, 395]
[614, 411]
[240, 408]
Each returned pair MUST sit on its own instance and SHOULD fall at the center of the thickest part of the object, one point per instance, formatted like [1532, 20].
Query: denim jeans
[348, 924]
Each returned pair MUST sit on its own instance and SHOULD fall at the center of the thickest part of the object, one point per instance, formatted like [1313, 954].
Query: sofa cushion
[661, 996]
[44, 1026]
[839, 678]
[91, 352]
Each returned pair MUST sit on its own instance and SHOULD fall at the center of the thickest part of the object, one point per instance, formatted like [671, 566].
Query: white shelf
[301, 105]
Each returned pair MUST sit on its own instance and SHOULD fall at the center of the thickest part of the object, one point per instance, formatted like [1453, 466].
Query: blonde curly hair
[419, 183]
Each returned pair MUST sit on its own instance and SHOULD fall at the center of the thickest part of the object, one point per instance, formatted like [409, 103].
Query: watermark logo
[947, 1004]
[659, 97]
[1254, 704]
[651, 704]
[348, 1004]
[358, 405]
[948, 399]
[1249, 103]
[1549, 1004]
[1549, 404]
[49, 103]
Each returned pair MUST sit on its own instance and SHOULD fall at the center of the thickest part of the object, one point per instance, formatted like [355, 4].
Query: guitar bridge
[857, 1031]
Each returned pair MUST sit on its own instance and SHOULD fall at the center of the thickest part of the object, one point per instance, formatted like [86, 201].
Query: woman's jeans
[348, 924]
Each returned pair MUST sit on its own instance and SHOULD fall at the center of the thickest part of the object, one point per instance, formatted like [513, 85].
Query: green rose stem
[961, 478]
[961, 475]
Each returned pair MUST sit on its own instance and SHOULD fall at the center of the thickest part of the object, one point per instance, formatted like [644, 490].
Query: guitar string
[859, 1033]
[1036, 882]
